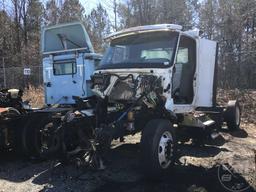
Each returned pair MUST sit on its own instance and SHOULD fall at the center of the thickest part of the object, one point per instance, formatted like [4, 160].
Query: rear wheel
[158, 147]
[233, 115]
[31, 137]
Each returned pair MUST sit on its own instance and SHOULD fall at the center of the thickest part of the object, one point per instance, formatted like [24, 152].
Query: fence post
[39, 73]
[4, 72]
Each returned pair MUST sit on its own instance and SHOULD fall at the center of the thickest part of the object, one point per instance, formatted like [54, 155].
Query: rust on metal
[3, 110]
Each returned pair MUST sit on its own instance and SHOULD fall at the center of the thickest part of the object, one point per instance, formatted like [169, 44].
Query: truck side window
[64, 67]
[185, 64]
[182, 56]
[158, 53]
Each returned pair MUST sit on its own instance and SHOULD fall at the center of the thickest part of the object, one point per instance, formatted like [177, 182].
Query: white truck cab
[154, 77]
[185, 62]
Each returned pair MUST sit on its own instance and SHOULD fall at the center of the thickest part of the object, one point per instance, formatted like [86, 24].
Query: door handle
[48, 84]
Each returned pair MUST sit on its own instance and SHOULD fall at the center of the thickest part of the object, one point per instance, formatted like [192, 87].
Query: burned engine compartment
[126, 102]
[126, 88]
[122, 106]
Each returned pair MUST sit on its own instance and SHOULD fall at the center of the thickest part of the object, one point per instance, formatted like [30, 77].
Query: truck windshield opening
[152, 49]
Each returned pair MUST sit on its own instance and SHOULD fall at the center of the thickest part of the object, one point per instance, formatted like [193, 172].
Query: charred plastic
[126, 103]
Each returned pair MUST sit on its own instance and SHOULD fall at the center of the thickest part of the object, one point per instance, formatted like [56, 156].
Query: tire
[11, 125]
[154, 162]
[232, 115]
[18, 138]
[31, 135]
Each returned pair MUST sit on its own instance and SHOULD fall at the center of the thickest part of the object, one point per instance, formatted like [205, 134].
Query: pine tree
[136, 12]
[71, 10]
[51, 15]
[175, 11]
[208, 18]
[98, 27]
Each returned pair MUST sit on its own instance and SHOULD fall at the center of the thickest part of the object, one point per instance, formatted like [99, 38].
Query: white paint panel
[205, 73]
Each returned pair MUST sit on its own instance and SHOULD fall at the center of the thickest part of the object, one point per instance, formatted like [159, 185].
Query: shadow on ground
[18, 169]
[239, 133]
[123, 172]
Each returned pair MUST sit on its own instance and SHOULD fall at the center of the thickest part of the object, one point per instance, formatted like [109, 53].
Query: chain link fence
[13, 77]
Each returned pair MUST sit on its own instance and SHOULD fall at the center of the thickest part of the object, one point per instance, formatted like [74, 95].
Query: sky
[107, 4]
[87, 4]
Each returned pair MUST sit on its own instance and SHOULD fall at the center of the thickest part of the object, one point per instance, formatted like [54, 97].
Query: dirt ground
[196, 168]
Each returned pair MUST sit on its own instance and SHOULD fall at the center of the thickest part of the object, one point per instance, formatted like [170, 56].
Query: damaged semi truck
[68, 62]
[157, 80]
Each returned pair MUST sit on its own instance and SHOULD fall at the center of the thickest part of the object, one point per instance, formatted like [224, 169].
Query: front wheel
[158, 146]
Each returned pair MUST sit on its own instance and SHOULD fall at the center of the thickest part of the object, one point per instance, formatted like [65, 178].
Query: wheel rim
[165, 149]
[237, 116]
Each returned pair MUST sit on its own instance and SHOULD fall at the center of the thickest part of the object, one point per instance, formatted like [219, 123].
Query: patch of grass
[35, 95]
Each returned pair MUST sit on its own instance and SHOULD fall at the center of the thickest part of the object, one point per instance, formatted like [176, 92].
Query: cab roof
[152, 28]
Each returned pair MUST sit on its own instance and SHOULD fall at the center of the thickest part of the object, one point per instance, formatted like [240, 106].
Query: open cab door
[206, 75]
[194, 74]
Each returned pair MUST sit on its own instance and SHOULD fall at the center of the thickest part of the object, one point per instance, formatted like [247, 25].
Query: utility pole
[115, 12]
[4, 71]
[2, 53]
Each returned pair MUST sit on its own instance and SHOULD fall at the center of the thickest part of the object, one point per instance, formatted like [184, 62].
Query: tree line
[232, 23]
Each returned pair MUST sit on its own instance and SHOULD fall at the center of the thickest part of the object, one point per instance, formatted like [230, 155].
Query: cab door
[63, 80]
[206, 73]
[184, 72]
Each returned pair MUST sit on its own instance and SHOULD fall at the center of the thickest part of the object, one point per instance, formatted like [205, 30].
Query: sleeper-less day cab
[156, 79]
[162, 81]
